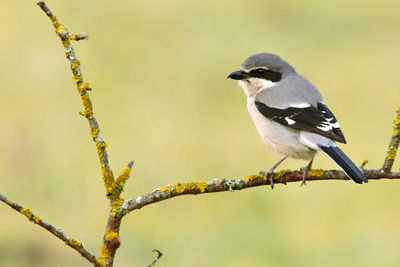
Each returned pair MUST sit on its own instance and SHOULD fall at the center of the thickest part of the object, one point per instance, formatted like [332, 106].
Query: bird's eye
[260, 71]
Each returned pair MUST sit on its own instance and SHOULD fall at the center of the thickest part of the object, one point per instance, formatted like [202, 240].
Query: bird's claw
[305, 171]
[268, 174]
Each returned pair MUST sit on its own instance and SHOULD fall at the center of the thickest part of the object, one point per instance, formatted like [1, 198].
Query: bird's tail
[351, 170]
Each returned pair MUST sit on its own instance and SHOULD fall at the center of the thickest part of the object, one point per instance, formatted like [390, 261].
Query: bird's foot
[305, 171]
[269, 175]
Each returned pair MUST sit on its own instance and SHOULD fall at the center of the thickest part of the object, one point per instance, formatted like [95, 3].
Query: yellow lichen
[94, 132]
[83, 86]
[28, 213]
[77, 79]
[108, 176]
[73, 36]
[76, 64]
[124, 176]
[167, 187]
[60, 28]
[65, 42]
[116, 204]
[180, 188]
[104, 252]
[108, 180]
[316, 172]
[110, 235]
[101, 144]
[396, 124]
[253, 177]
[201, 185]
[101, 262]
[391, 154]
[365, 162]
[74, 243]
[87, 86]
[37, 219]
[87, 104]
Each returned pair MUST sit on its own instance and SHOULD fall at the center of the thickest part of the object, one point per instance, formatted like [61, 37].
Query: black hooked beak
[238, 75]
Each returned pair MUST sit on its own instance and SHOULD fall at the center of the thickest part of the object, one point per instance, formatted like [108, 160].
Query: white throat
[252, 86]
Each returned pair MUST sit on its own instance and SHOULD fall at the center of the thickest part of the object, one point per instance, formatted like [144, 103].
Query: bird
[290, 114]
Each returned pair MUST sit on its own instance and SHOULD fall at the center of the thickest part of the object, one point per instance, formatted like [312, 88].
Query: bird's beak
[238, 75]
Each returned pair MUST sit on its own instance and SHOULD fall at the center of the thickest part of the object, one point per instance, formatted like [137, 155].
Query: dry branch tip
[393, 145]
[159, 254]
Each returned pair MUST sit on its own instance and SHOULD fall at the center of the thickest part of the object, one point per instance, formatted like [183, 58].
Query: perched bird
[290, 115]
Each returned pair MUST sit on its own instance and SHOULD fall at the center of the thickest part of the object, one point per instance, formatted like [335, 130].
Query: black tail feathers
[345, 164]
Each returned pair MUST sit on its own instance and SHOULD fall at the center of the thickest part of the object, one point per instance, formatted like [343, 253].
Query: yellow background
[158, 71]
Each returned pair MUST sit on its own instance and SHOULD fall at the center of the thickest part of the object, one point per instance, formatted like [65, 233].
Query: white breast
[281, 139]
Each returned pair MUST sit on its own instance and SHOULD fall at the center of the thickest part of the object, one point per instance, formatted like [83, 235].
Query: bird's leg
[270, 171]
[305, 172]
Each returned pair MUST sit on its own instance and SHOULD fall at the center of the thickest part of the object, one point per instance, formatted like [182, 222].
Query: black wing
[319, 120]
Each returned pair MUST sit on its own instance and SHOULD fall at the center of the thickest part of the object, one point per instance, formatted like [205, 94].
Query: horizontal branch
[73, 243]
[215, 185]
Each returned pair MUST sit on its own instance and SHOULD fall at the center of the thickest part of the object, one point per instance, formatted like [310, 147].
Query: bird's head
[261, 71]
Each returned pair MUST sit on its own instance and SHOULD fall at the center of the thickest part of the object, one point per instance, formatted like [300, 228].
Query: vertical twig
[83, 89]
[393, 145]
[114, 187]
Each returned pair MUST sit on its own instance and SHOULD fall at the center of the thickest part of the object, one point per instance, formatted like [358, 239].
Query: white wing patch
[317, 120]
[300, 105]
[289, 121]
[335, 125]
[326, 126]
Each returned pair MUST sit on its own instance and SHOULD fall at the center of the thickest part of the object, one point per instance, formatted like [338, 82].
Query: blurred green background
[158, 71]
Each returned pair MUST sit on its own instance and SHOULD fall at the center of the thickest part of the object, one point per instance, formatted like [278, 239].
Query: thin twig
[393, 145]
[83, 89]
[215, 185]
[159, 254]
[71, 242]
[78, 36]
[363, 164]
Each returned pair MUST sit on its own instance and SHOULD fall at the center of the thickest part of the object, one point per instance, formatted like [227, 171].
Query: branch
[114, 188]
[215, 185]
[282, 177]
[71, 242]
[83, 89]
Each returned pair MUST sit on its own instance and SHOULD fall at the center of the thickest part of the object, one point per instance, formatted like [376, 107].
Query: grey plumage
[289, 112]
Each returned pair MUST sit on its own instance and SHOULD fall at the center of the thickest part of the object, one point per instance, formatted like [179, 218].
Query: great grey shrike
[290, 115]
